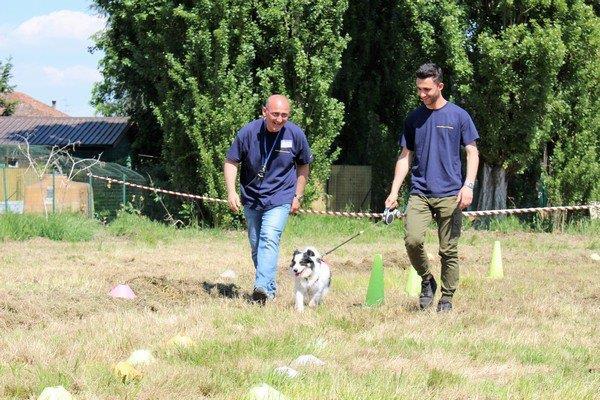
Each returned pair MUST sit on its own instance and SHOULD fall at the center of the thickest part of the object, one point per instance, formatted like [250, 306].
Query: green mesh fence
[36, 179]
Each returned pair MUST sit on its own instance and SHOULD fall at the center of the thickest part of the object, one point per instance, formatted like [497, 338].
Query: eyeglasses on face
[278, 114]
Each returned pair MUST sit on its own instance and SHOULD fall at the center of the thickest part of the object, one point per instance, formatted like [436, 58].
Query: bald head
[276, 112]
[277, 100]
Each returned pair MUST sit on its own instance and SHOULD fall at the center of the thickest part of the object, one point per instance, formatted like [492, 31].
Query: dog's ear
[310, 253]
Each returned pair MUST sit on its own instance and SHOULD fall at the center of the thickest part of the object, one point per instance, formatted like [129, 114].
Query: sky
[48, 43]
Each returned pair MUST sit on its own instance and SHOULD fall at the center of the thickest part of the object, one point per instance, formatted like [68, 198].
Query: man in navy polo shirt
[431, 144]
[274, 157]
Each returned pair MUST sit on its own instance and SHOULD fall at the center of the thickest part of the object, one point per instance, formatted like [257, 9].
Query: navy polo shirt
[251, 148]
[435, 137]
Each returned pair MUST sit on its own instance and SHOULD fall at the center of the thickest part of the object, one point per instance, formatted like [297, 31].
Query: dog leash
[343, 243]
[387, 218]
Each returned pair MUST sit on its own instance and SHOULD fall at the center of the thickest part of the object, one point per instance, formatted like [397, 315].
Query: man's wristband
[298, 197]
[469, 184]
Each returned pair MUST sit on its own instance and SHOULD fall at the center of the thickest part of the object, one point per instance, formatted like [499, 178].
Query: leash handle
[388, 215]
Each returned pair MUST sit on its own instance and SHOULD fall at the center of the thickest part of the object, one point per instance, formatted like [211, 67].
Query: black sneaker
[444, 305]
[428, 288]
[260, 296]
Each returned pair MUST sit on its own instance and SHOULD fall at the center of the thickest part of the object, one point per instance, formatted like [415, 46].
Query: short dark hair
[430, 70]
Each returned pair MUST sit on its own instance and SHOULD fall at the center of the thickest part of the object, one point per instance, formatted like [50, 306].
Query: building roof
[27, 106]
[63, 131]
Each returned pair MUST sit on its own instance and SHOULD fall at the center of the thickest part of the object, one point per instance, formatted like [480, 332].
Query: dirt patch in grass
[393, 259]
[158, 291]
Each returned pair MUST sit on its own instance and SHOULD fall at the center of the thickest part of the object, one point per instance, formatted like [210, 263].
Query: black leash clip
[389, 215]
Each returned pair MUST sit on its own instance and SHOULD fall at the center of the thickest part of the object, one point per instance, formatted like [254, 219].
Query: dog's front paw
[313, 303]
[299, 308]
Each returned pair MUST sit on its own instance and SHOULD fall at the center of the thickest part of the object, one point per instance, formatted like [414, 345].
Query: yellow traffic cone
[375, 290]
[496, 271]
[413, 283]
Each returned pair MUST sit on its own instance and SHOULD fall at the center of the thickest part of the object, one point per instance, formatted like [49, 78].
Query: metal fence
[36, 180]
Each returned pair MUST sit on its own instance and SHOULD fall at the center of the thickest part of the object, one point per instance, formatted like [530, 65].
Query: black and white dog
[312, 278]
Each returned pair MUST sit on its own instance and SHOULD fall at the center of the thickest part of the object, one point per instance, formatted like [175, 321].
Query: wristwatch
[299, 197]
[469, 184]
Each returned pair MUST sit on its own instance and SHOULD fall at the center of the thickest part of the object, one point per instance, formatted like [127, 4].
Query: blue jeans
[264, 231]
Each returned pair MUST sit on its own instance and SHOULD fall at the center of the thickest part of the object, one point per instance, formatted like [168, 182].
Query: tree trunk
[492, 188]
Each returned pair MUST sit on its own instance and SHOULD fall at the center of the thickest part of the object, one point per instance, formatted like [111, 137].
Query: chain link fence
[36, 179]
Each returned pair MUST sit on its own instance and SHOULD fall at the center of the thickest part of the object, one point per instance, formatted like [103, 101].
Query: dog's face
[304, 262]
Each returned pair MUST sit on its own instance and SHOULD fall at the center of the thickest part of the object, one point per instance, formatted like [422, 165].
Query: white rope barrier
[349, 214]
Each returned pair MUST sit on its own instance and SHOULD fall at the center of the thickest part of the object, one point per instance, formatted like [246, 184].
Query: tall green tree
[525, 56]
[389, 40]
[7, 107]
[517, 70]
[572, 172]
[192, 73]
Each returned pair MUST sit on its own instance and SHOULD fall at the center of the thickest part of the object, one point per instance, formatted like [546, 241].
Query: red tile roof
[29, 107]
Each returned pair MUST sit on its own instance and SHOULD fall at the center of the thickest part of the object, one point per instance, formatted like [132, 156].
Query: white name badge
[286, 144]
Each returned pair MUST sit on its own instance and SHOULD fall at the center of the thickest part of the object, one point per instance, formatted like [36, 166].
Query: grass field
[532, 335]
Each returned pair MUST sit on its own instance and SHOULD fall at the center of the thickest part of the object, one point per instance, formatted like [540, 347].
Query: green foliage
[130, 223]
[6, 107]
[535, 64]
[587, 227]
[521, 65]
[573, 176]
[137, 227]
[191, 74]
[377, 82]
[576, 224]
[61, 227]
[507, 224]
[323, 228]
[524, 70]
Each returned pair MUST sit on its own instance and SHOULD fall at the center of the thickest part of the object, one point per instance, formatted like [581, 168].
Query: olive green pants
[448, 217]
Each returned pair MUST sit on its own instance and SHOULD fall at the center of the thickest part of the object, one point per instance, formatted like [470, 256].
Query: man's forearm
[230, 171]
[302, 171]
[401, 170]
[472, 163]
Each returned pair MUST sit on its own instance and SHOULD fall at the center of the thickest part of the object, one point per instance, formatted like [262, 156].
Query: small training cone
[126, 372]
[55, 393]
[413, 283]
[122, 292]
[265, 392]
[141, 357]
[495, 271]
[182, 342]
[375, 290]
[228, 274]
[286, 371]
[308, 360]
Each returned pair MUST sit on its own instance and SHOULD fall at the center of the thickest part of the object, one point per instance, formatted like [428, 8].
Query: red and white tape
[349, 214]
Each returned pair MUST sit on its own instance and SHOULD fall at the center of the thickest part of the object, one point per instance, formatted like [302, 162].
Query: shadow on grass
[227, 290]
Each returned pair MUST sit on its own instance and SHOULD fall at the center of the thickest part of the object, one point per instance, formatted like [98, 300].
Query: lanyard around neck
[266, 159]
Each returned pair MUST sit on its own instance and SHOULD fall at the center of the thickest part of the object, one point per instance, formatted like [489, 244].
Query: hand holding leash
[389, 215]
